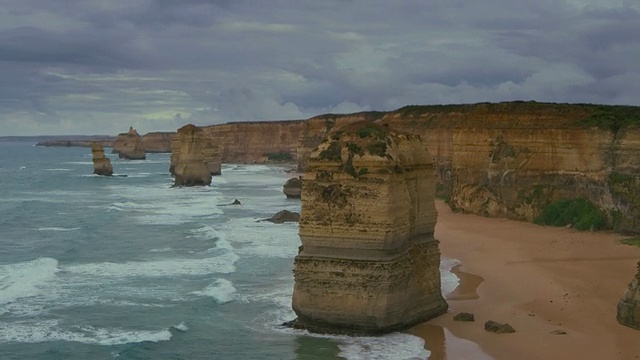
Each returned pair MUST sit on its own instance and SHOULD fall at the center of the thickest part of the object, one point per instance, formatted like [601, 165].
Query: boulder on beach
[498, 328]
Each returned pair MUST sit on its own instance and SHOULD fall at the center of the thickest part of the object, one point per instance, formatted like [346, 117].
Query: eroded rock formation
[158, 142]
[129, 145]
[629, 305]
[190, 166]
[292, 188]
[101, 164]
[368, 262]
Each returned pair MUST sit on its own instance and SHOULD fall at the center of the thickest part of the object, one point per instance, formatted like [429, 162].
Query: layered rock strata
[629, 305]
[157, 142]
[190, 167]
[368, 262]
[129, 145]
[292, 188]
[257, 142]
[101, 164]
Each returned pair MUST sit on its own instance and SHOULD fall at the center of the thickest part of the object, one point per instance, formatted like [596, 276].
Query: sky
[98, 67]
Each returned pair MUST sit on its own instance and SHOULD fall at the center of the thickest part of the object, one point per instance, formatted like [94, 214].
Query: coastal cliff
[257, 142]
[368, 261]
[513, 159]
[158, 142]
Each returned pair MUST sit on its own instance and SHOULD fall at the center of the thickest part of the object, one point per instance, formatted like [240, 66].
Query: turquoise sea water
[130, 268]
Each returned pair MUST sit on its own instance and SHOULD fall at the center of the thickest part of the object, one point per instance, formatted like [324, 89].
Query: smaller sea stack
[130, 146]
[101, 165]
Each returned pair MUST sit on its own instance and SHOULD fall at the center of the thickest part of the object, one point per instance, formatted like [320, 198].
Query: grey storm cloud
[84, 66]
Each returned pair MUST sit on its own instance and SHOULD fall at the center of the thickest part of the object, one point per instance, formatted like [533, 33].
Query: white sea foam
[164, 249]
[449, 281]
[26, 279]
[392, 346]
[57, 229]
[181, 327]
[221, 290]
[221, 264]
[58, 169]
[49, 330]
[263, 239]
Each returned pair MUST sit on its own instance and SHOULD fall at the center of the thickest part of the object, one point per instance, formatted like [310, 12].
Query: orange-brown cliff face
[368, 261]
[158, 142]
[256, 142]
[512, 159]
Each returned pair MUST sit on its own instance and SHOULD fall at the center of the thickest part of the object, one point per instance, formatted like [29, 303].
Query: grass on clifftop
[612, 117]
[581, 213]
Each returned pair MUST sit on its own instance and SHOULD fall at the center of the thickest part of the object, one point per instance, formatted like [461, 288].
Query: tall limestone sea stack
[190, 168]
[368, 263]
[629, 305]
[129, 145]
[101, 165]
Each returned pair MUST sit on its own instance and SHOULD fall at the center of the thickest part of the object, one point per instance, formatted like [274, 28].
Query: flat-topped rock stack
[190, 166]
[629, 305]
[129, 145]
[368, 263]
[101, 164]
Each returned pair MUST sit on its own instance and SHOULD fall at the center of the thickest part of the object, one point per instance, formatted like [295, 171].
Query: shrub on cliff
[580, 213]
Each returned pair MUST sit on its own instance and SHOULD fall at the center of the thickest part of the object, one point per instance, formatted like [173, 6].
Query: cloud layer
[97, 67]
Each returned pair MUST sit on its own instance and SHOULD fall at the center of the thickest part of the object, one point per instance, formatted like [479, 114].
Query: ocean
[130, 268]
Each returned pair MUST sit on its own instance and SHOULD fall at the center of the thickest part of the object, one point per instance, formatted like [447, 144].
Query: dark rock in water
[284, 216]
[292, 188]
[236, 202]
[498, 328]
[629, 305]
[464, 316]
[292, 324]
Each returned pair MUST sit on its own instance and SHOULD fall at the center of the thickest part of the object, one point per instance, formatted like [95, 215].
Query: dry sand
[538, 279]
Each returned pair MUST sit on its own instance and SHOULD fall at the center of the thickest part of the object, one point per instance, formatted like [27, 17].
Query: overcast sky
[97, 67]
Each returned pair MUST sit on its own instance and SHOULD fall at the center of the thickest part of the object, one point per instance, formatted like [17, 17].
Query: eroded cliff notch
[629, 305]
[101, 164]
[368, 262]
[190, 166]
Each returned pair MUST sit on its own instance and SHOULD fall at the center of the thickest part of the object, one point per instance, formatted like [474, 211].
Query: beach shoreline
[538, 279]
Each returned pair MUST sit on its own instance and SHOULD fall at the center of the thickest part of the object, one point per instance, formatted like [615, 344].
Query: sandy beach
[538, 279]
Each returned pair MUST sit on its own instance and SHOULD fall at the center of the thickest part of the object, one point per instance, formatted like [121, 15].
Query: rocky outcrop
[498, 328]
[292, 188]
[629, 305]
[129, 145]
[284, 216]
[368, 262]
[190, 167]
[101, 164]
[157, 142]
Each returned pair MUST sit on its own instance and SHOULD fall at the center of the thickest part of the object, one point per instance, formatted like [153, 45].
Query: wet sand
[538, 279]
